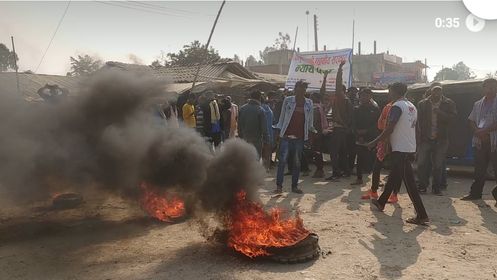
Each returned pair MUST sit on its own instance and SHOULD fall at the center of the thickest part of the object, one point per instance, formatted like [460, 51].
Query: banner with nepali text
[311, 66]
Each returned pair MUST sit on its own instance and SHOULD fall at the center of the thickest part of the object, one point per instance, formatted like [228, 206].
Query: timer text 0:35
[447, 23]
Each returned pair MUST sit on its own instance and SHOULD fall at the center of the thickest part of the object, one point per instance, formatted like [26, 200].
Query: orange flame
[252, 230]
[162, 206]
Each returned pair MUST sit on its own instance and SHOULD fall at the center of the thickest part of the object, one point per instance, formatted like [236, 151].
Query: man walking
[364, 127]
[252, 125]
[401, 130]
[382, 151]
[295, 122]
[483, 122]
[435, 115]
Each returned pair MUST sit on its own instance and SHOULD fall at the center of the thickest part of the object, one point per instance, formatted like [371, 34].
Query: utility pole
[208, 42]
[307, 14]
[15, 65]
[353, 35]
[295, 38]
[316, 33]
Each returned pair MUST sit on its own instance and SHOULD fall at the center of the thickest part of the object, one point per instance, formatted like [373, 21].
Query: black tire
[67, 201]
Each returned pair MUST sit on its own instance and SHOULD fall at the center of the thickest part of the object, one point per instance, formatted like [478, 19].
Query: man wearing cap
[295, 122]
[435, 113]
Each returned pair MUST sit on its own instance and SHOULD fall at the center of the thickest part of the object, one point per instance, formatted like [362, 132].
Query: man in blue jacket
[295, 122]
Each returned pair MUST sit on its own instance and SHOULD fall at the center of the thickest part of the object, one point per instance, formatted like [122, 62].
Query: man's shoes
[422, 190]
[297, 190]
[357, 182]
[376, 203]
[470, 198]
[370, 194]
[393, 198]
[279, 190]
[318, 174]
[418, 221]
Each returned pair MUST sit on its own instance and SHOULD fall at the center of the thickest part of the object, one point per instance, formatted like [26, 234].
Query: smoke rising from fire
[108, 136]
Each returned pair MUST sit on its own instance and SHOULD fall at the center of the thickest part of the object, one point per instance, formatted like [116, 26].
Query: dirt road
[105, 239]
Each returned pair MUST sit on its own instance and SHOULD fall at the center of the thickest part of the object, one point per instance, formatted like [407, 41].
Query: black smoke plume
[109, 136]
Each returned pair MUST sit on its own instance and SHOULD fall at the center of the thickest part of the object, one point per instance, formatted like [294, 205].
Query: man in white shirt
[401, 132]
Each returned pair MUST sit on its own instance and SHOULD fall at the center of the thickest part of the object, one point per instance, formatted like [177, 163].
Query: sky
[118, 30]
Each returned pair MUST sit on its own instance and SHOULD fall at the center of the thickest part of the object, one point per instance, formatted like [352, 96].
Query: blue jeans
[294, 147]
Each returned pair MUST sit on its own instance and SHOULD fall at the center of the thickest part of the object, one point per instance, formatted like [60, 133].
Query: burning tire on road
[164, 206]
[256, 234]
[304, 251]
[66, 200]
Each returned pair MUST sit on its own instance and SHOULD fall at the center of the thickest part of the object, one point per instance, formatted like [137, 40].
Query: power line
[136, 8]
[149, 5]
[53, 35]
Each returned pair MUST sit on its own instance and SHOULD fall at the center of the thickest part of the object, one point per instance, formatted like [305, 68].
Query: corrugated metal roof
[272, 78]
[186, 74]
[206, 73]
[29, 84]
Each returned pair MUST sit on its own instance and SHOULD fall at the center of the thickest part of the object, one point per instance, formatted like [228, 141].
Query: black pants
[377, 167]
[351, 149]
[483, 157]
[363, 160]
[402, 171]
[339, 159]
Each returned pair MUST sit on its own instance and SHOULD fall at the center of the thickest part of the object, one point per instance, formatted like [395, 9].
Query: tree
[464, 72]
[491, 75]
[252, 61]
[447, 74]
[84, 65]
[156, 64]
[192, 54]
[458, 72]
[264, 54]
[7, 59]
[280, 43]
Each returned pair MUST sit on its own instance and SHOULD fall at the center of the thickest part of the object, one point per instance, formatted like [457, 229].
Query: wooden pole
[207, 45]
[295, 38]
[15, 64]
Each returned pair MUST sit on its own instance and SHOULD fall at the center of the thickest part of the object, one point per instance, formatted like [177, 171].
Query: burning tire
[67, 201]
[304, 251]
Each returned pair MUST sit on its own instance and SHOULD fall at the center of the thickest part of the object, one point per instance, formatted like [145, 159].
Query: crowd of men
[299, 127]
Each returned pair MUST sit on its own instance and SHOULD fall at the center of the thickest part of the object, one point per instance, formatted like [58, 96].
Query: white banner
[311, 66]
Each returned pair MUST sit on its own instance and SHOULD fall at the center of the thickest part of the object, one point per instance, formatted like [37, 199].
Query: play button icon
[475, 24]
